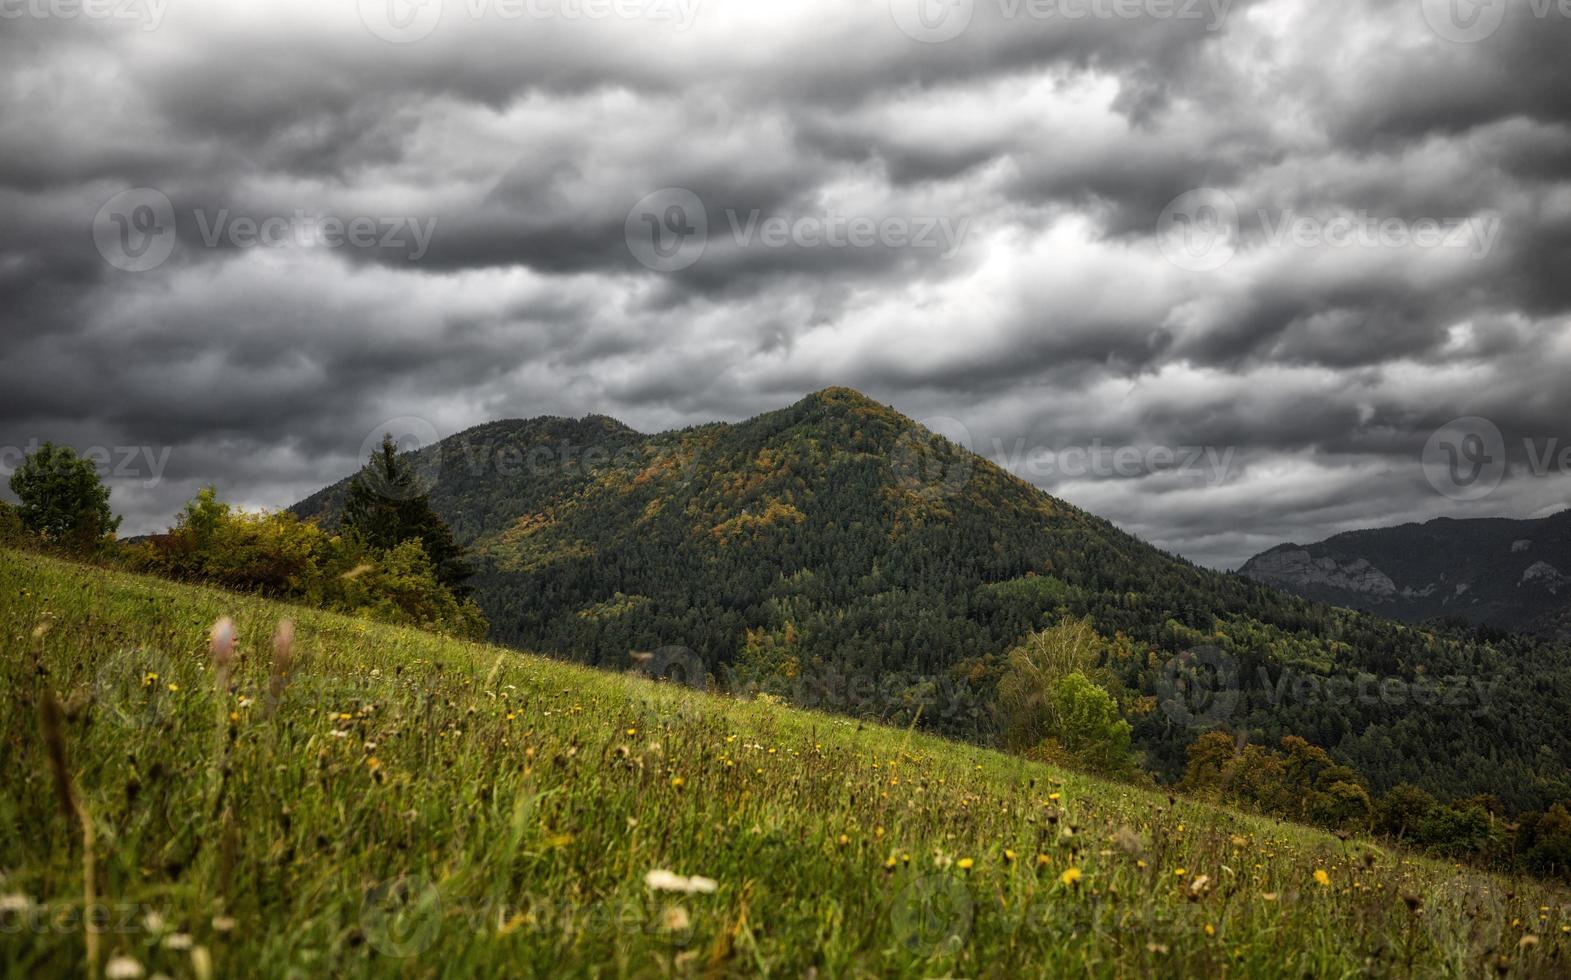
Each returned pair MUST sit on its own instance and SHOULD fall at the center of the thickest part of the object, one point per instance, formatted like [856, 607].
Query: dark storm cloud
[498, 159]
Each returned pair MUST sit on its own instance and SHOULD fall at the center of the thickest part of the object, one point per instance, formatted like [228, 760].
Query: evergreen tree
[387, 506]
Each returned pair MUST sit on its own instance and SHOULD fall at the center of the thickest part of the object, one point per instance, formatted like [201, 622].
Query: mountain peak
[837, 396]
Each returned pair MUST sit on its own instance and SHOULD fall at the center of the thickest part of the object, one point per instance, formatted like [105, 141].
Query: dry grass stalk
[53, 728]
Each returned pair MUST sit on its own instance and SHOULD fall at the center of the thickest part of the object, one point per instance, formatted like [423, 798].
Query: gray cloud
[1054, 322]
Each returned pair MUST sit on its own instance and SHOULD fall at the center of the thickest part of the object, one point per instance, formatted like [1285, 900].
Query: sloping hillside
[404, 805]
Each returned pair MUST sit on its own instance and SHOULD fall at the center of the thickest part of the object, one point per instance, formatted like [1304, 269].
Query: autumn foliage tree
[1049, 706]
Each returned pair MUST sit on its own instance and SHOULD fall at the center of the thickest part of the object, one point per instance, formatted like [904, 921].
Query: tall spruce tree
[387, 506]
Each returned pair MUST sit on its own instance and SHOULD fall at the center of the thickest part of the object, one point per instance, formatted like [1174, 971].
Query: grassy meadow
[397, 804]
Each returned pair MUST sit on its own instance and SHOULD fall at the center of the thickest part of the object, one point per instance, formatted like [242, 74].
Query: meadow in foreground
[394, 803]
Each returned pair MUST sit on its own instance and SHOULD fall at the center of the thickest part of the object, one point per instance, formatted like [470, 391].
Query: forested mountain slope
[842, 556]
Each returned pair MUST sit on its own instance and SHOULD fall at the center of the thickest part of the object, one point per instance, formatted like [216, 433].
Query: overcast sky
[239, 239]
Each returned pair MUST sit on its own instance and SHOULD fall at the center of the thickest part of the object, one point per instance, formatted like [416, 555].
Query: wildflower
[675, 919]
[677, 782]
[1210, 930]
[123, 968]
[966, 864]
[222, 642]
[1055, 797]
[845, 839]
[666, 881]
[1009, 856]
[1042, 860]
[1321, 878]
[1071, 876]
[1180, 873]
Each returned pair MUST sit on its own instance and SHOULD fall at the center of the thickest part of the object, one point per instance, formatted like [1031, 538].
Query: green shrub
[11, 530]
[280, 556]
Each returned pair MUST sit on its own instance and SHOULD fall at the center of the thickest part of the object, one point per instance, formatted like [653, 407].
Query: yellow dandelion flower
[677, 782]
[174, 688]
[1321, 878]
[1210, 930]
[845, 839]
[966, 864]
[1071, 876]
[1009, 856]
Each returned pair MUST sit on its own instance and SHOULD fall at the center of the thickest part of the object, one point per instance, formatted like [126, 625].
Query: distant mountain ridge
[1496, 572]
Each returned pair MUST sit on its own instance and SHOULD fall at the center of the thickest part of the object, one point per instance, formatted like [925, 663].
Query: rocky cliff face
[1296, 570]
